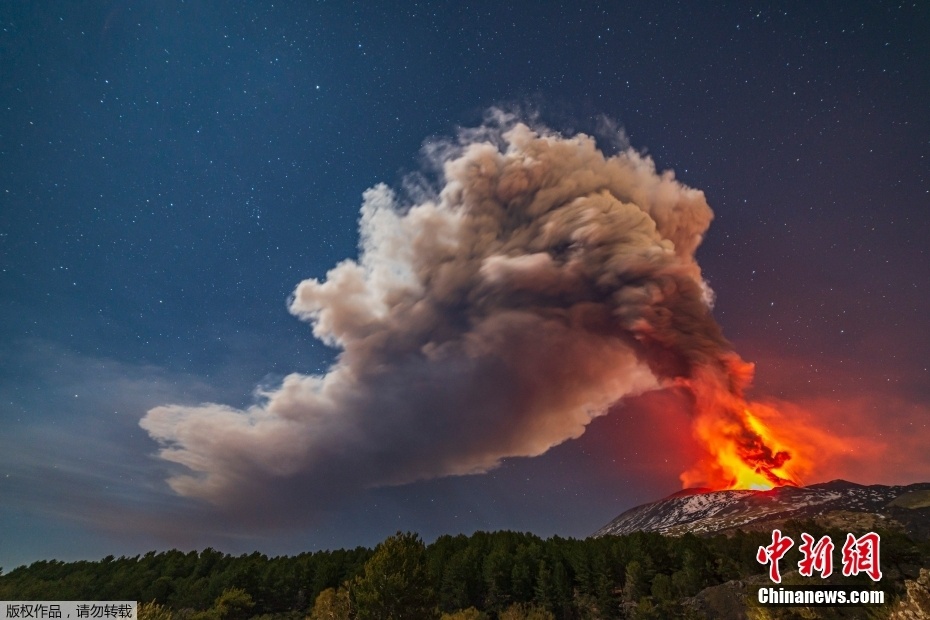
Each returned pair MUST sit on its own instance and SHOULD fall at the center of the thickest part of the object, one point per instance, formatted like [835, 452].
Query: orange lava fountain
[744, 447]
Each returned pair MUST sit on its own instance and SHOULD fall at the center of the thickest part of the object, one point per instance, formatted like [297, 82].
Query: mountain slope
[838, 503]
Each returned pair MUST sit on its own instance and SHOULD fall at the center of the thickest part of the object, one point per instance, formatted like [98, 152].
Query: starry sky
[170, 171]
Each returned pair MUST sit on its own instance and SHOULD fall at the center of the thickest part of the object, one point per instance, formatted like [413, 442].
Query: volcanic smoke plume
[493, 317]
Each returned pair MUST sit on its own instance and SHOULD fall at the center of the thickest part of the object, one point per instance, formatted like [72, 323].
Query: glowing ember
[744, 448]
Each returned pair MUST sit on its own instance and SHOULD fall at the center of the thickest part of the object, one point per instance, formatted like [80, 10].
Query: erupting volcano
[744, 449]
[494, 314]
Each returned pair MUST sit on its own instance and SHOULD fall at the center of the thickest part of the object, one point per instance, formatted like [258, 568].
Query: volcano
[839, 504]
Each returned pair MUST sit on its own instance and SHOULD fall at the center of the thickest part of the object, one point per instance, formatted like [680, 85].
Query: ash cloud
[494, 317]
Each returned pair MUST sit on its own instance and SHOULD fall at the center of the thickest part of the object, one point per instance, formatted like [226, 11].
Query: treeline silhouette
[504, 575]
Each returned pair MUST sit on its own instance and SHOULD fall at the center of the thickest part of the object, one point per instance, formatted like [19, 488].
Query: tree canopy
[479, 577]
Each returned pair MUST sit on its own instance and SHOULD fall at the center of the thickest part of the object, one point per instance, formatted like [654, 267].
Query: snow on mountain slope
[708, 512]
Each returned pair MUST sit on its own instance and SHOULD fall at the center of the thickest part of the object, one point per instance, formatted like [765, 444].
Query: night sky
[171, 171]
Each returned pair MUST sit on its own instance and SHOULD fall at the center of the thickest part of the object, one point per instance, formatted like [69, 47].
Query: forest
[500, 575]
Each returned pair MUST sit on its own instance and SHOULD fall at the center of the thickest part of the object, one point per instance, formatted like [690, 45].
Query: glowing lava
[743, 444]
[747, 453]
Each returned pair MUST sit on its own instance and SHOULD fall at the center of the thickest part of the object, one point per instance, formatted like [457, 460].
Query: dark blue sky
[170, 171]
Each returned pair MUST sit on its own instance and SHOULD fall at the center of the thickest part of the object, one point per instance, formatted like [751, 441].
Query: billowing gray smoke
[493, 319]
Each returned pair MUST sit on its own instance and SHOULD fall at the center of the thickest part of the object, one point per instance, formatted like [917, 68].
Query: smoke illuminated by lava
[492, 314]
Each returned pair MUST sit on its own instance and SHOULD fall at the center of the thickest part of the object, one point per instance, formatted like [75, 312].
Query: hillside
[837, 504]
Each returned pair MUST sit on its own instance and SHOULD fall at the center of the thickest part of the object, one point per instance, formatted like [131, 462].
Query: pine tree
[394, 584]
[636, 585]
[331, 604]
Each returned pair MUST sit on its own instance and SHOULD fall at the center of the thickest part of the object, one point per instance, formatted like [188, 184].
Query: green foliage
[332, 604]
[234, 604]
[498, 570]
[520, 611]
[477, 577]
[153, 611]
[394, 584]
[662, 588]
[645, 610]
[182, 581]
[521, 579]
[635, 585]
[465, 614]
